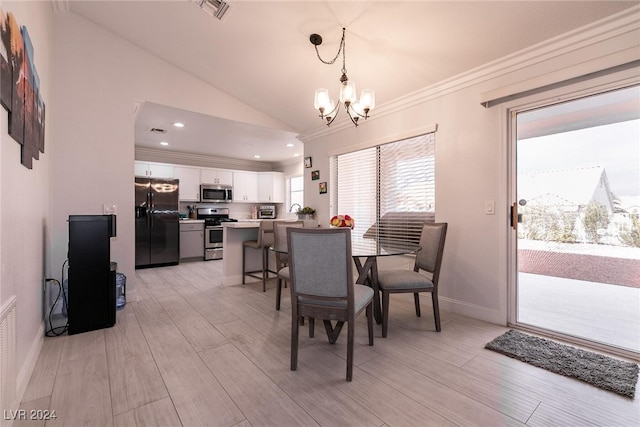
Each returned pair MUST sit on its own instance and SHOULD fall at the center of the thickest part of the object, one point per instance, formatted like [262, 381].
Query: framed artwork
[307, 162]
[322, 187]
[315, 175]
[20, 92]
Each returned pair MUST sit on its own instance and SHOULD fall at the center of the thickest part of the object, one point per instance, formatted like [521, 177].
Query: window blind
[389, 189]
[407, 184]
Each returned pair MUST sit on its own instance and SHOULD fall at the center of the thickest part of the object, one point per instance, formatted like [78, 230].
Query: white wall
[98, 79]
[472, 154]
[25, 201]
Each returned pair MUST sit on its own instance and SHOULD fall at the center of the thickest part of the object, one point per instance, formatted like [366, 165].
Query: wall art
[20, 89]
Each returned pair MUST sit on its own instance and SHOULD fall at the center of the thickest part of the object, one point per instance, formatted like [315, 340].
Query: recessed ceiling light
[289, 145]
[178, 125]
[164, 143]
[296, 155]
[257, 156]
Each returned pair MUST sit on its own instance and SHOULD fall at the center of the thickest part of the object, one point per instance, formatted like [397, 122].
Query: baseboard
[29, 365]
[472, 310]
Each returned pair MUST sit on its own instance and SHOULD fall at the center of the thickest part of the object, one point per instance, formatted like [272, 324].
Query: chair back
[429, 257]
[320, 263]
[265, 234]
[280, 239]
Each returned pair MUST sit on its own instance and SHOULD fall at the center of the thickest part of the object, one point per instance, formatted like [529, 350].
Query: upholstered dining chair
[262, 243]
[282, 256]
[429, 259]
[322, 286]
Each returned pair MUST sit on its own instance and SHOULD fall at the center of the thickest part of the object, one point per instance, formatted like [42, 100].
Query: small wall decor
[322, 187]
[315, 175]
[20, 93]
[307, 162]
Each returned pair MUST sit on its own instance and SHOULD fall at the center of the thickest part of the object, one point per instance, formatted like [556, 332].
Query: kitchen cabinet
[216, 176]
[153, 170]
[189, 189]
[245, 187]
[191, 240]
[271, 187]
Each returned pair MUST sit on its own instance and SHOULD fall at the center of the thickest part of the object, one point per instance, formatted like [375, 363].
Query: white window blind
[389, 189]
[353, 187]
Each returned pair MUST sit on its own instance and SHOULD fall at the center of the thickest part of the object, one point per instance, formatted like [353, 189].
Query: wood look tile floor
[192, 352]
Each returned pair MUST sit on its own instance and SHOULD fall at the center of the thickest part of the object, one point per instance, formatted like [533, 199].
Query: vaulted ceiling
[260, 53]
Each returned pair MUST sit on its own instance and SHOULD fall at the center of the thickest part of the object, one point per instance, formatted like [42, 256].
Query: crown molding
[615, 25]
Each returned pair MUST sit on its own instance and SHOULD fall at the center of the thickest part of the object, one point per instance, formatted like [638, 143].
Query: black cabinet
[92, 276]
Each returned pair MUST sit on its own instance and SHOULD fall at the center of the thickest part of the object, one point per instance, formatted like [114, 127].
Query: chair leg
[436, 309]
[244, 250]
[416, 300]
[370, 322]
[312, 326]
[385, 312]
[265, 268]
[278, 293]
[294, 340]
[350, 333]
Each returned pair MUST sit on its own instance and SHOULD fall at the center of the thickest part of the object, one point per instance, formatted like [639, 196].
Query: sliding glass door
[576, 215]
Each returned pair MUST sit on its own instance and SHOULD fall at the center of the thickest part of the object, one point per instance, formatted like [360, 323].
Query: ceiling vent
[215, 8]
[157, 130]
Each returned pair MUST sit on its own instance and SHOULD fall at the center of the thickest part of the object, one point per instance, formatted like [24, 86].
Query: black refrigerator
[157, 222]
[92, 276]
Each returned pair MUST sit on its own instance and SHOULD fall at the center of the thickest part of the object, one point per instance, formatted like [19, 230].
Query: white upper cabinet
[189, 188]
[153, 170]
[245, 187]
[216, 176]
[271, 187]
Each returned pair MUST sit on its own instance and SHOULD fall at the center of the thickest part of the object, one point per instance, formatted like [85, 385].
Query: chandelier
[326, 106]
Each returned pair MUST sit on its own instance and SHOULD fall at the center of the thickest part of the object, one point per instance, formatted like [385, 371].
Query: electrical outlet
[489, 207]
[109, 209]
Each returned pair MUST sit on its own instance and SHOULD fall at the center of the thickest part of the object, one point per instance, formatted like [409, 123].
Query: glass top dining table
[369, 249]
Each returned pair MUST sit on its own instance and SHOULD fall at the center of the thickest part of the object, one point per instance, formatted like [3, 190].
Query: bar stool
[263, 242]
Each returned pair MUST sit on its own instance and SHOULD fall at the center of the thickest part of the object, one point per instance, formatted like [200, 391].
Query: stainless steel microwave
[267, 212]
[216, 193]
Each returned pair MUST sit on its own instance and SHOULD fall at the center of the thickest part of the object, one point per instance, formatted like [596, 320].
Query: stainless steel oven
[213, 219]
[212, 242]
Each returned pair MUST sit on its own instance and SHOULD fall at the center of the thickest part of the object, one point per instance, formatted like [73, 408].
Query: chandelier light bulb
[348, 92]
[367, 99]
[322, 100]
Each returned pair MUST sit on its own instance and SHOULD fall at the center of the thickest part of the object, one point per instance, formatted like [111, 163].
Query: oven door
[213, 242]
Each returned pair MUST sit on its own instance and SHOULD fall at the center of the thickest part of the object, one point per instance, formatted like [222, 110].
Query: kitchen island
[234, 233]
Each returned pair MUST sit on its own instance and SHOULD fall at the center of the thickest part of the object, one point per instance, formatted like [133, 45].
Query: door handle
[514, 216]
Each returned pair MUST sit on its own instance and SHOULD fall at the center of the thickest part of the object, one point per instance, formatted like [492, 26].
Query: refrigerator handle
[152, 209]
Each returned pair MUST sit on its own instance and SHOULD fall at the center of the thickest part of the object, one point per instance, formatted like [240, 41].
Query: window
[388, 189]
[295, 195]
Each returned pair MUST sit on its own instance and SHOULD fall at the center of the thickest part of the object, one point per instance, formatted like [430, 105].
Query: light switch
[489, 207]
[109, 209]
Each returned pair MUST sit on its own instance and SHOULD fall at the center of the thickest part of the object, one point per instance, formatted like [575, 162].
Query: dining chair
[282, 256]
[428, 259]
[322, 286]
[262, 243]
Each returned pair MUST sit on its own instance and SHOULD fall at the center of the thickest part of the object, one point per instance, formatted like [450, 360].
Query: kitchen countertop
[242, 224]
[255, 223]
[191, 221]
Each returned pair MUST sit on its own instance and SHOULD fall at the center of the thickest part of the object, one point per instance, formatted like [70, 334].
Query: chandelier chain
[341, 48]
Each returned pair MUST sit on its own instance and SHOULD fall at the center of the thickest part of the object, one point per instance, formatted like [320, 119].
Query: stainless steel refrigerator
[157, 222]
